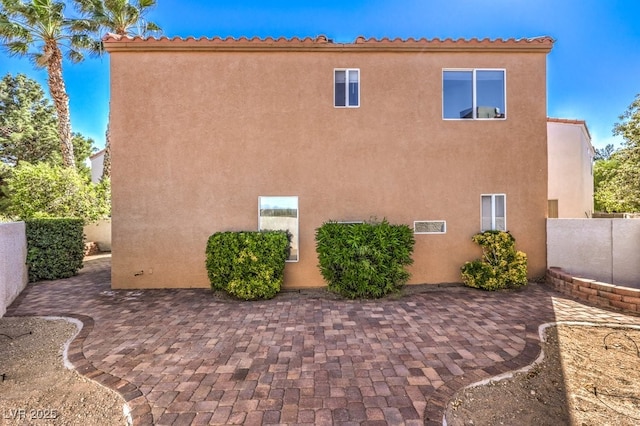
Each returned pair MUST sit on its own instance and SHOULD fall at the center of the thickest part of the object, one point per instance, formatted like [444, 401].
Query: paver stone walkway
[183, 357]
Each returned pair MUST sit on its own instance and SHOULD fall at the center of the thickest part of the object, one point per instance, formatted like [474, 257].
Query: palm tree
[120, 17]
[39, 30]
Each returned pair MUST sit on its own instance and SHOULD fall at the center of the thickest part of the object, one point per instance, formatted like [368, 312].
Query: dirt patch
[37, 389]
[589, 376]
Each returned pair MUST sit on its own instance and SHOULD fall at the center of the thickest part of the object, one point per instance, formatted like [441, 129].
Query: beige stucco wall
[198, 136]
[97, 163]
[13, 263]
[99, 232]
[606, 250]
[570, 168]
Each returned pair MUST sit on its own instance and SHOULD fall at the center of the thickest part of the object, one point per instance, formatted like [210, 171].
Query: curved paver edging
[542, 328]
[436, 405]
[300, 358]
[136, 408]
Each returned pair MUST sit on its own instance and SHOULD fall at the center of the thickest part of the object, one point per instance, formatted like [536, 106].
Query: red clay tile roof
[114, 42]
[570, 121]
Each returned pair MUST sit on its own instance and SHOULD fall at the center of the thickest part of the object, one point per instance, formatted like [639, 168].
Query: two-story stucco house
[570, 168]
[447, 136]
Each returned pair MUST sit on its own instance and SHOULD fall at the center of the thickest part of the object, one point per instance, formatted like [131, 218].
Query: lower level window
[280, 214]
[494, 212]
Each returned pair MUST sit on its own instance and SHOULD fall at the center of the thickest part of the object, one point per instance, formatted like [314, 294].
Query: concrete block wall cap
[625, 291]
[582, 280]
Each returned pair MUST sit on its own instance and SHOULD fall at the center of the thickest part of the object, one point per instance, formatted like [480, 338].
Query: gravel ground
[37, 389]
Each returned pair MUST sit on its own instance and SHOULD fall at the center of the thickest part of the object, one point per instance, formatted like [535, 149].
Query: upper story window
[346, 84]
[474, 94]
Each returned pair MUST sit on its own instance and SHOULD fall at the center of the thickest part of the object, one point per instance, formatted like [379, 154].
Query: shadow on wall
[13, 263]
[605, 250]
[100, 233]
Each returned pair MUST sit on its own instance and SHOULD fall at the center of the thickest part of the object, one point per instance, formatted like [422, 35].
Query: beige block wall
[199, 136]
[13, 263]
[99, 232]
[606, 250]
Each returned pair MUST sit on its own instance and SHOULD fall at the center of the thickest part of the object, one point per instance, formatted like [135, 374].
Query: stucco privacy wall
[13, 263]
[202, 128]
[99, 232]
[606, 250]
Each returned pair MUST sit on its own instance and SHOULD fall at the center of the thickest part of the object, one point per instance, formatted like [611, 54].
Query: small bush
[364, 260]
[247, 265]
[501, 265]
[55, 248]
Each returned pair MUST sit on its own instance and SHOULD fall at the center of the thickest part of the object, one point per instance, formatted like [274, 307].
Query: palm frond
[17, 48]
[74, 56]
[152, 27]
[146, 4]
[83, 25]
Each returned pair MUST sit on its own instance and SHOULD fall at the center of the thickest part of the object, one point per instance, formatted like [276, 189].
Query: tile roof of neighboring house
[570, 121]
[115, 42]
[96, 154]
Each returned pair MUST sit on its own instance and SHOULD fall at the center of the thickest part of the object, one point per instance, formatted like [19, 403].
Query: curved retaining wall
[598, 293]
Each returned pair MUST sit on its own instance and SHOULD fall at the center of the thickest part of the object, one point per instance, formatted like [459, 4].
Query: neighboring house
[447, 136]
[570, 169]
[97, 160]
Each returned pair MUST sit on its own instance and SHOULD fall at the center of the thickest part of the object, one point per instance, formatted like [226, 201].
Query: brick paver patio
[182, 357]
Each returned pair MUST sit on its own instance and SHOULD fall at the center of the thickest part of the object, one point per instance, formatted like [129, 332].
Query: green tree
[28, 125]
[617, 180]
[28, 130]
[605, 193]
[604, 153]
[27, 122]
[39, 29]
[120, 17]
[45, 190]
[83, 147]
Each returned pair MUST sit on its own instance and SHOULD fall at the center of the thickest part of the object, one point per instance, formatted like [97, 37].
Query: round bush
[501, 266]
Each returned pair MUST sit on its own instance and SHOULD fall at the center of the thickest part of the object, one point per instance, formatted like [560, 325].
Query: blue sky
[593, 69]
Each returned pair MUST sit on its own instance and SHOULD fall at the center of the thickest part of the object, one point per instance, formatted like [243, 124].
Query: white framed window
[346, 83]
[474, 94]
[493, 212]
[430, 227]
[280, 213]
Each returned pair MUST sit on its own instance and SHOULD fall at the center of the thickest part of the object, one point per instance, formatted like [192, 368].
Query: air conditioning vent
[430, 227]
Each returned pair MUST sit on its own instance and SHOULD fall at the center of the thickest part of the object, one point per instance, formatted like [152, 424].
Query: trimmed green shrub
[501, 266]
[247, 265]
[55, 248]
[364, 260]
